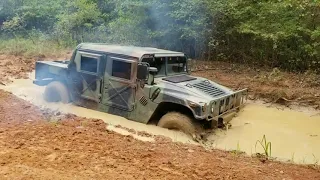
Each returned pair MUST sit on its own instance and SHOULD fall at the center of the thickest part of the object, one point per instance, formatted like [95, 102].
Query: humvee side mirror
[152, 72]
[142, 73]
[153, 69]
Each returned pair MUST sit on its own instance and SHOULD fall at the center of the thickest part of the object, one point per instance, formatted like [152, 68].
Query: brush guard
[223, 109]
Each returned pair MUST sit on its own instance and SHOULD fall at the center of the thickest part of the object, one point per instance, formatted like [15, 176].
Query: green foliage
[276, 33]
[15, 25]
[265, 145]
[26, 47]
[284, 34]
[130, 26]
[78, 17]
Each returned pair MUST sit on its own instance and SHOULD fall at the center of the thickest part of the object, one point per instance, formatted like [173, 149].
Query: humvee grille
[143, 101]
[208, 88]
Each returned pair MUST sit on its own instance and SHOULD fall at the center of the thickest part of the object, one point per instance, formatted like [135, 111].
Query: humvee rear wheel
[177, 121]
[56, 92]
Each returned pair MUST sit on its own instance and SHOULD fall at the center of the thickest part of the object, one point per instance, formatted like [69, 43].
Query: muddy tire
[56, 92]
[177, 121]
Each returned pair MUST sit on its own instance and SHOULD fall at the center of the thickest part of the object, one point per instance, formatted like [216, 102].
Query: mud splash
[25, 89]
[294, 134]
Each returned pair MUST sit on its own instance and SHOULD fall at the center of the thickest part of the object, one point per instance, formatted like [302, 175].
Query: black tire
[56, 92]
[177, 121]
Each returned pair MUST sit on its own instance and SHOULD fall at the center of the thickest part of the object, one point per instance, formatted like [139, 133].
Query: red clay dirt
[18, 66]
[77, 148]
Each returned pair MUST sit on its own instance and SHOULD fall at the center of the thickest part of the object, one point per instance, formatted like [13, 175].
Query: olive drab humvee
[140, 84]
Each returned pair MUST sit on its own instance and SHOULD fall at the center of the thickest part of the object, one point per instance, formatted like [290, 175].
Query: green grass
[316, 160]
[238, 150]
[31, 48]
[265, 145]
[292, 157]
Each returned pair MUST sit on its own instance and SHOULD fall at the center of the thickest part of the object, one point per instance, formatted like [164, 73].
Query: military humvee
[140, 84]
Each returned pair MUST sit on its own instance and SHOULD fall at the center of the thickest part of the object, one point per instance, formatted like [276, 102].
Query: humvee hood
[195, 89]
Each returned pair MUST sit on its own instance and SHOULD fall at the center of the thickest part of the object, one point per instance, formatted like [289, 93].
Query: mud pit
[31, 148]
[25, 89]
[294, 134]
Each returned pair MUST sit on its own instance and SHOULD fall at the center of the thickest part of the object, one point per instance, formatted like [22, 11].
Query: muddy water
[25, 89]
[294, 134]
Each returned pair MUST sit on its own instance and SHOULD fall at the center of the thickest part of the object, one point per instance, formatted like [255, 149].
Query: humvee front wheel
[56, 92]
[177, 121]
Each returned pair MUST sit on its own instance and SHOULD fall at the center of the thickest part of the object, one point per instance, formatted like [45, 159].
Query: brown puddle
[294, 134]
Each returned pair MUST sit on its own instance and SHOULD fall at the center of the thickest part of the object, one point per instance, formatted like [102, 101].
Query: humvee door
[120, 83]
[91, 67]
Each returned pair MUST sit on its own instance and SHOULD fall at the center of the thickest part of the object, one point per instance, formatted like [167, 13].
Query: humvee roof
[132, 51]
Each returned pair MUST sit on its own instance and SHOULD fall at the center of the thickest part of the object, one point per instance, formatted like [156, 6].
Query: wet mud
[26, 90]
[82, 148]
[294, 134]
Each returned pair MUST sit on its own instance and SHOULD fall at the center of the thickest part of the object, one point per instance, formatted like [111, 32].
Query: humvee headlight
[192, 104]
[212, 109]
[204, 107]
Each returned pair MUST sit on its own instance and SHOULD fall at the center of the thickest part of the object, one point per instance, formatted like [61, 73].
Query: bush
[274, 33]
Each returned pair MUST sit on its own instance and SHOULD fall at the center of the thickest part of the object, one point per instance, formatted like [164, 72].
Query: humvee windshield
[175, 65]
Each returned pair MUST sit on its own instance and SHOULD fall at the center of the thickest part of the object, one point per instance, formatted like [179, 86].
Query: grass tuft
[265, 145]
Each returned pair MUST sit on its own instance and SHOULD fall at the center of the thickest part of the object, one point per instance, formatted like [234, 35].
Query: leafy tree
[276, 33]
[78, 17]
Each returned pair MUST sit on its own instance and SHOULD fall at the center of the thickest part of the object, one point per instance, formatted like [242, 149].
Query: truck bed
[47, 71]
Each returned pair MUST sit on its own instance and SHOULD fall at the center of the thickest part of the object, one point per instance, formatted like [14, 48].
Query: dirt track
[32, 148]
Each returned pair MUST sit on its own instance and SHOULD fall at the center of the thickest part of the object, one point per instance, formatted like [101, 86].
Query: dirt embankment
[271, 85]
[75, 148]
[18, 66]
